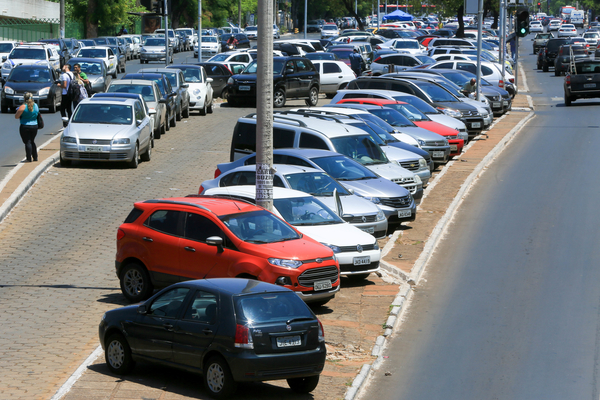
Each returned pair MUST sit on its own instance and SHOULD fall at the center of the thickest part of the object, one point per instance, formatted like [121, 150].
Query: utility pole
[479, 34]
[305, 16]
[240, 14]
[62, 19]
[264, 106]
[166, 15]
[502, 35]
[199, 31]
[378, 16]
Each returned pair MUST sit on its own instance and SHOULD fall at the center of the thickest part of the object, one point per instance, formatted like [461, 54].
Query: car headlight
[464, 136]
[121, 141]
[280, 262]
[376, 245]
[142, 50]
[380, 216]
[69, 139]
[6, 65]
[422, 163]
[333, 247]
[418, 180]
[421, 142]
[99, 80]
[44, 91]
[197, 92]
[372, 199]
[230, 81]
[8, 90]
[452, 112]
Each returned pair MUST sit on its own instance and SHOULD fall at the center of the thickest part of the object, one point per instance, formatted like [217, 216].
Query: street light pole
[199, 31]
[166, 34]
[62, 19]
[305, 16]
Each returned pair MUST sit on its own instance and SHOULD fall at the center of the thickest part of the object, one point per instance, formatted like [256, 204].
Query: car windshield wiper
[289, 321]
[257, 241]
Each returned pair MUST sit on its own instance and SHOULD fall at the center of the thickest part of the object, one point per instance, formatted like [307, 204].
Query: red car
[419, 119]
[171, 240]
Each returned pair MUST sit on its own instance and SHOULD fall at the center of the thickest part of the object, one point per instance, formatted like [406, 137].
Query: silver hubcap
[215, 377]
[133, 282]
[116, 354]
[278, 97]
[313, 96]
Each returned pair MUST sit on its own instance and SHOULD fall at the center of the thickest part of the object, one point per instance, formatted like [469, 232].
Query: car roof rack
[324, 114]
[308, 115]
[218, 196]
[181, 203]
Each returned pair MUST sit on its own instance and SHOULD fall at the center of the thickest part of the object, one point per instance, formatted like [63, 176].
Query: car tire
[141, 61]
[303, 385]
[186, 112]
[135, 283]
[567, 100]
[217, 378]
[545, 67]
[135, 160]
[178, 114]
[117, 355]
[115, 74]
[52, 107]
[4, 109]
[64, 163]
[174, 120]
[163, 129]
[210, 108]
[147, 155]
[279, 98]
[232, 101]
[556, 72]
[203, 109]
[123, 69]
[167, 124]
[313, 97]
[158, 134]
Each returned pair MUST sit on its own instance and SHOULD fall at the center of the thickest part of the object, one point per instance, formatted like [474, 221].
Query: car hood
[447, 120]
[378, 187]
[390, 171]
[438, 128]
[28, 86]
[304, 248]
[420, 133]
[27, 62]
[95, 131]
[459, 105]
[351, 204]
[154, 48]
[397, 154]
[342, 234]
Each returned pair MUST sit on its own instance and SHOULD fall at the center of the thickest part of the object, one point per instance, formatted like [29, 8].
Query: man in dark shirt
[355, 62]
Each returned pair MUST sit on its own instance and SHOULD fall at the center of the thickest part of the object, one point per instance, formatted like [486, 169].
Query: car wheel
[556, 72]
[64, 163]
[52, 107]
[210, 108]
[313, 97]
[115, 74]
[303, 385]
[186, 112]
[123, 69]
[163, 129]
[167, 124]
[225, 94]
[279, 98]
[178, 114]
[174, 120]
[567, 100]
[203, 109]
[545, 68]
[232, 101]
[117, 354]
[135, 283]
[135, 160]
[141, 61]
[148, 153]
[4, 109]
[217, 378]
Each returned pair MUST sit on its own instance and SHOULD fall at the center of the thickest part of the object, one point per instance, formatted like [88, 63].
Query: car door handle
[340, 76]
[168, 327]
[189, 248]
[147, 239]
[207, 331]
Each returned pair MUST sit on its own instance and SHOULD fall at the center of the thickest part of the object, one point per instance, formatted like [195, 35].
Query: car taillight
[378, 47]
[568, 80]
[243, 339]
[501, 84]
[512, 80]
[377, 59]
[217, 173]
[321, 332]
[201, 189]
[120, 234]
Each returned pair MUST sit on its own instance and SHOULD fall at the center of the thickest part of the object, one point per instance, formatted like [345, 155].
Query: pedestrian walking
[77, 90]
[27, 113]
[355, 62]
[66, 77]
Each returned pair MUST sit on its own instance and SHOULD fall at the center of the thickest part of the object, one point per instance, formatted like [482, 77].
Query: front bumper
[439, 154]
[351, 262]
[396, 215]
[15, 100]
[474, 124]
[106, 153]
[154, 56]
[369, 225]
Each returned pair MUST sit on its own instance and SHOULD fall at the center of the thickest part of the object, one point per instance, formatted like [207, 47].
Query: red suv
[171, 240]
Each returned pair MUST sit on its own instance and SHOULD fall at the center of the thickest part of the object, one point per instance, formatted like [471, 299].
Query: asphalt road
[509, 307]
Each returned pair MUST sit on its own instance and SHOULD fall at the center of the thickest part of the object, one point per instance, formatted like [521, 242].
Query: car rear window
[133, 215]
[271, 307]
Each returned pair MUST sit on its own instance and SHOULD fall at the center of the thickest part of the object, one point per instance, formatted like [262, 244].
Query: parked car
[103, 53]
[26, 54]
[153, 49]
[95, 71]
[393, 62]
[251, 32]
[173, 39]
[199, 87]
[356, 251]
[38, 79]
[293, 77]
[229, 330]
[241, 57]
[166, 91]
[329, 31]
[6, 47]
[178, 85]
[219, 74]
[218, 238]
[334, 75]
[107, 129]
[276, 32]
[404, 45]
[66, 48]
[210, 46]
[351, 208]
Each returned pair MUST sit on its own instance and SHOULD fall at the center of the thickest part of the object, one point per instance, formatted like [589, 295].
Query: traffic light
[157, 6]
[539, 5]
[522, 25]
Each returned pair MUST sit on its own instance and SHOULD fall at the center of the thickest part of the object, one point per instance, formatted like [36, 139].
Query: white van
[577, 17]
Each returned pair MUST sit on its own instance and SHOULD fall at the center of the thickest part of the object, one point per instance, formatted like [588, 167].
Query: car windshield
[172, 76]
[425, 59]
[100, 41]
[144, 90]
[321, 56]
[377, 121]
[406, 44]
[116, 114]
[436, 93]
[588, 67]
[92, 53]
[128, 40]
[306, 211]
[30, 75]
[28, 54]
[209, 39]
[409, 111]
[155, 42]
[343, 169]
[315, 183]
[252, 68]
[360, 148]
[329, 28]
[112, 41]
[90, 68]
[544, 36]
[392, 117]
[220, 57]
[259, 227]
[271, 307]
[5, 47]
[343, 54]
[192, 75]
[252, 29]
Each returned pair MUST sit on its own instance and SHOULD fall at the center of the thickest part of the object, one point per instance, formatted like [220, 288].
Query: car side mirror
[152, 112]
[57, 82]
[215, 241]
[289, 71]
[111, 57]
[209, 80]
[173, 94]
[138, 122]
[142, 309]
[4, 58]
[185, 85]
[65, 120]
[163, 101]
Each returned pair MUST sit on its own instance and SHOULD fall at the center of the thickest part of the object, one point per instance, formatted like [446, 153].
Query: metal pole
[166, 34]
[378, 15]
[62, 19]
[479, 34]
[199, 31]
[264, 106]
[240, 14]
[305, 16]
[502, 35]
[516, 64]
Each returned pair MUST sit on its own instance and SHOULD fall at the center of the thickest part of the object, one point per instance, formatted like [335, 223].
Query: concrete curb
[24, 187]
[405, 293]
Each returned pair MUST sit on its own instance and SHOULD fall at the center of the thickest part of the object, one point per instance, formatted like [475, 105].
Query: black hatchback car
[229, 330]
[549, 53]
[293, 77]
[39, 80]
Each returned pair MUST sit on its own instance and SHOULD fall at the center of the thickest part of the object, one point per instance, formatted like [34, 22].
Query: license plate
[244, 88]
[438, 154]
[453, 147]
[589, 85]
[476, 125]
[289, 341]
[93, 148]
[505, 102]
[404, 213]
[368, 230]
[322, 285]
[365, 260]
[496, 104]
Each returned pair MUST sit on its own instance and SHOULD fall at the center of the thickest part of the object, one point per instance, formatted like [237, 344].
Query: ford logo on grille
[359, 248]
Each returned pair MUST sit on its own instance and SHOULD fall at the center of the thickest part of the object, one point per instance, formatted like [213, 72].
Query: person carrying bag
[28, 114]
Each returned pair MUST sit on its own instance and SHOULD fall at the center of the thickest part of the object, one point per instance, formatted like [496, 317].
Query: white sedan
[404, 45]
[335, 75]
[104, 53]
[567, 30]
[536, 26]
[210, 46]
[356, 251]
[199, 87]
